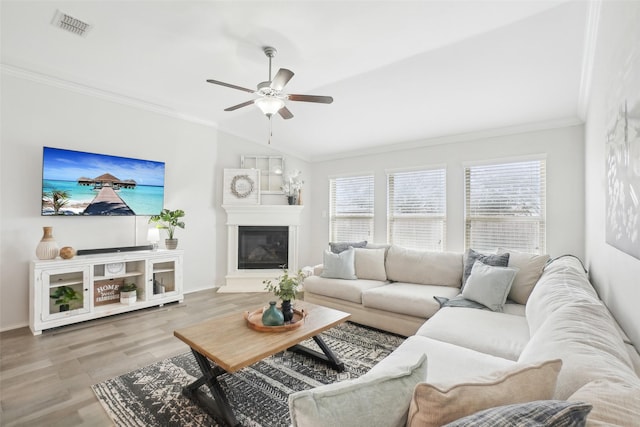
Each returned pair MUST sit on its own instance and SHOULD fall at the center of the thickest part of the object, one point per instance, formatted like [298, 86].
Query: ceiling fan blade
[285, 113]
[311, 98]
[216, 82]
[235, 107]
[281, 79]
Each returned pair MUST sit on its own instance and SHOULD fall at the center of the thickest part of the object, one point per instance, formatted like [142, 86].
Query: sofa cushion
[614, 402]
[337, 247]
[381, 397]
[370, 264]
[407, 298]
[563, 282]
[349, 290]
[435, 404]
[584, 337]
[384, 246]
[530, 269]
[471, 256]
[497, 334]
[516, 309]
[540, 413]
[339, 266]
[489, 285]
[448, 363]
[423, 267]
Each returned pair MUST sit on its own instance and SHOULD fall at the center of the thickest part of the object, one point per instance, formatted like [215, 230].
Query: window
[351, 208]
[505, 206]
[416, 209]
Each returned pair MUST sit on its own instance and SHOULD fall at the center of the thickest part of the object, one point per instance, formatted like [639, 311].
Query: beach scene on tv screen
[80, 183]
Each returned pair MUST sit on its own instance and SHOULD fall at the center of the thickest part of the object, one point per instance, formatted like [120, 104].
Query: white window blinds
[351, 209]
[416, 209]
[505, 206]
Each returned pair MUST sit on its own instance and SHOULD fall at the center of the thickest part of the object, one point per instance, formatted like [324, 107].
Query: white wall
[565, 188]
[35, 114]
[615, 274]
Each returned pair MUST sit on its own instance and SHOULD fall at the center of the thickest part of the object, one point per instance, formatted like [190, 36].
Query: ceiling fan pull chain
[270, 130]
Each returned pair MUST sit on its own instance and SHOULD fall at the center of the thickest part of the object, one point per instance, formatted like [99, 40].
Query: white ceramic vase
[47, 248]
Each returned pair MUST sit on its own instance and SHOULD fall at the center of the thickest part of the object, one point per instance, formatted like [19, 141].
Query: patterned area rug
[152, 396]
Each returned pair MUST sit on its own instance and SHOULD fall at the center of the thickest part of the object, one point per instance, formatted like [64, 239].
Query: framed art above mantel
[241, 187]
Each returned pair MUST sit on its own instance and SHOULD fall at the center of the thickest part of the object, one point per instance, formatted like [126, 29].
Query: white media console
[95, 280]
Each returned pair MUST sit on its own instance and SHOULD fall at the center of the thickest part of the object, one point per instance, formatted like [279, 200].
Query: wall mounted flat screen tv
[80, 183]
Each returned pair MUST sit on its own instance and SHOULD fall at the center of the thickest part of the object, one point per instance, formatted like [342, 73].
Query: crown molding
[59, 83]
[588, 56]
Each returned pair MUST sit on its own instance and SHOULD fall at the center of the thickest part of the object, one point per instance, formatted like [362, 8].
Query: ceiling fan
[271, 99]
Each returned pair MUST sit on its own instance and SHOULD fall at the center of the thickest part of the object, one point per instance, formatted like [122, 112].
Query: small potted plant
[292, 188]
[128, 293]
[169, 220]
[285, 287]
[63, 296]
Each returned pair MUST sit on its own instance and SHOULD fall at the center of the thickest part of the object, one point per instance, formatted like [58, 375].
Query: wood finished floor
[46, 380]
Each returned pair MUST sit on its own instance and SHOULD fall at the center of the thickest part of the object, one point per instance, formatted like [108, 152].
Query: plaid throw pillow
[551, 413]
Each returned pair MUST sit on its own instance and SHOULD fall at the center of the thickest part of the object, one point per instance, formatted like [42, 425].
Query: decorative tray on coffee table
[254, 321]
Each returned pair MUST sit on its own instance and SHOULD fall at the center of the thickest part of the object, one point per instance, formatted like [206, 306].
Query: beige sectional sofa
[561, 349]
[395, 286]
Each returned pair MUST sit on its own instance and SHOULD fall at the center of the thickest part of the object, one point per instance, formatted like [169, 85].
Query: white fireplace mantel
[263, 214]
[241, 280]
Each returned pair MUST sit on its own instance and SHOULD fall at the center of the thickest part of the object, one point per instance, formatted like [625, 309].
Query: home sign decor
[107, 291]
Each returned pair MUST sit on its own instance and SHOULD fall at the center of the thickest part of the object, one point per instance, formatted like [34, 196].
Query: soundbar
[116, 250]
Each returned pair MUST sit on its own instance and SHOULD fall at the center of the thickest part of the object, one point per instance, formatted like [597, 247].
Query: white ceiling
[399, 71]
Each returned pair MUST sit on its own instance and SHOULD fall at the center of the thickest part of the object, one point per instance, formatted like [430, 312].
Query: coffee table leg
[219, 406]
[328, 355]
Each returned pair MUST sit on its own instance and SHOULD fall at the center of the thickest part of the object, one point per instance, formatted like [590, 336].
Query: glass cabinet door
[66, 292]
[162, 276]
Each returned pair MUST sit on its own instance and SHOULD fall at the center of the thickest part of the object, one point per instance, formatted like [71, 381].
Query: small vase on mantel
[47, 248]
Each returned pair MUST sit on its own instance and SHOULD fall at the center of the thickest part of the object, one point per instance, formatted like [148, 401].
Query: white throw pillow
[380, 398]
[339, 266]
[489, 285]
[370, 264]
[531, 266]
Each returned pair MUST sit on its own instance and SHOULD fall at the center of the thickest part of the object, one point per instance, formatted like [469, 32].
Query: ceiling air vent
[71, 24]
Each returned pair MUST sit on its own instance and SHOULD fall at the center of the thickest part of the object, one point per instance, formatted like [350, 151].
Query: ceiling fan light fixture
[269, 105]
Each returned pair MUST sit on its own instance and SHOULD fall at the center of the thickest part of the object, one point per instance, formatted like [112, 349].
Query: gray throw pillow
[471, 256]
[548, 413]
[489, 285]
[339, 266]
[337, 247]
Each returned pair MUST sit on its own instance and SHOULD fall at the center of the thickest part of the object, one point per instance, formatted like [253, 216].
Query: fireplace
[269, 240]
[261, 247]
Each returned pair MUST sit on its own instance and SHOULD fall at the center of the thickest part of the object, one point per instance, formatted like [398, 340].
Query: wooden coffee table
[232, 345]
